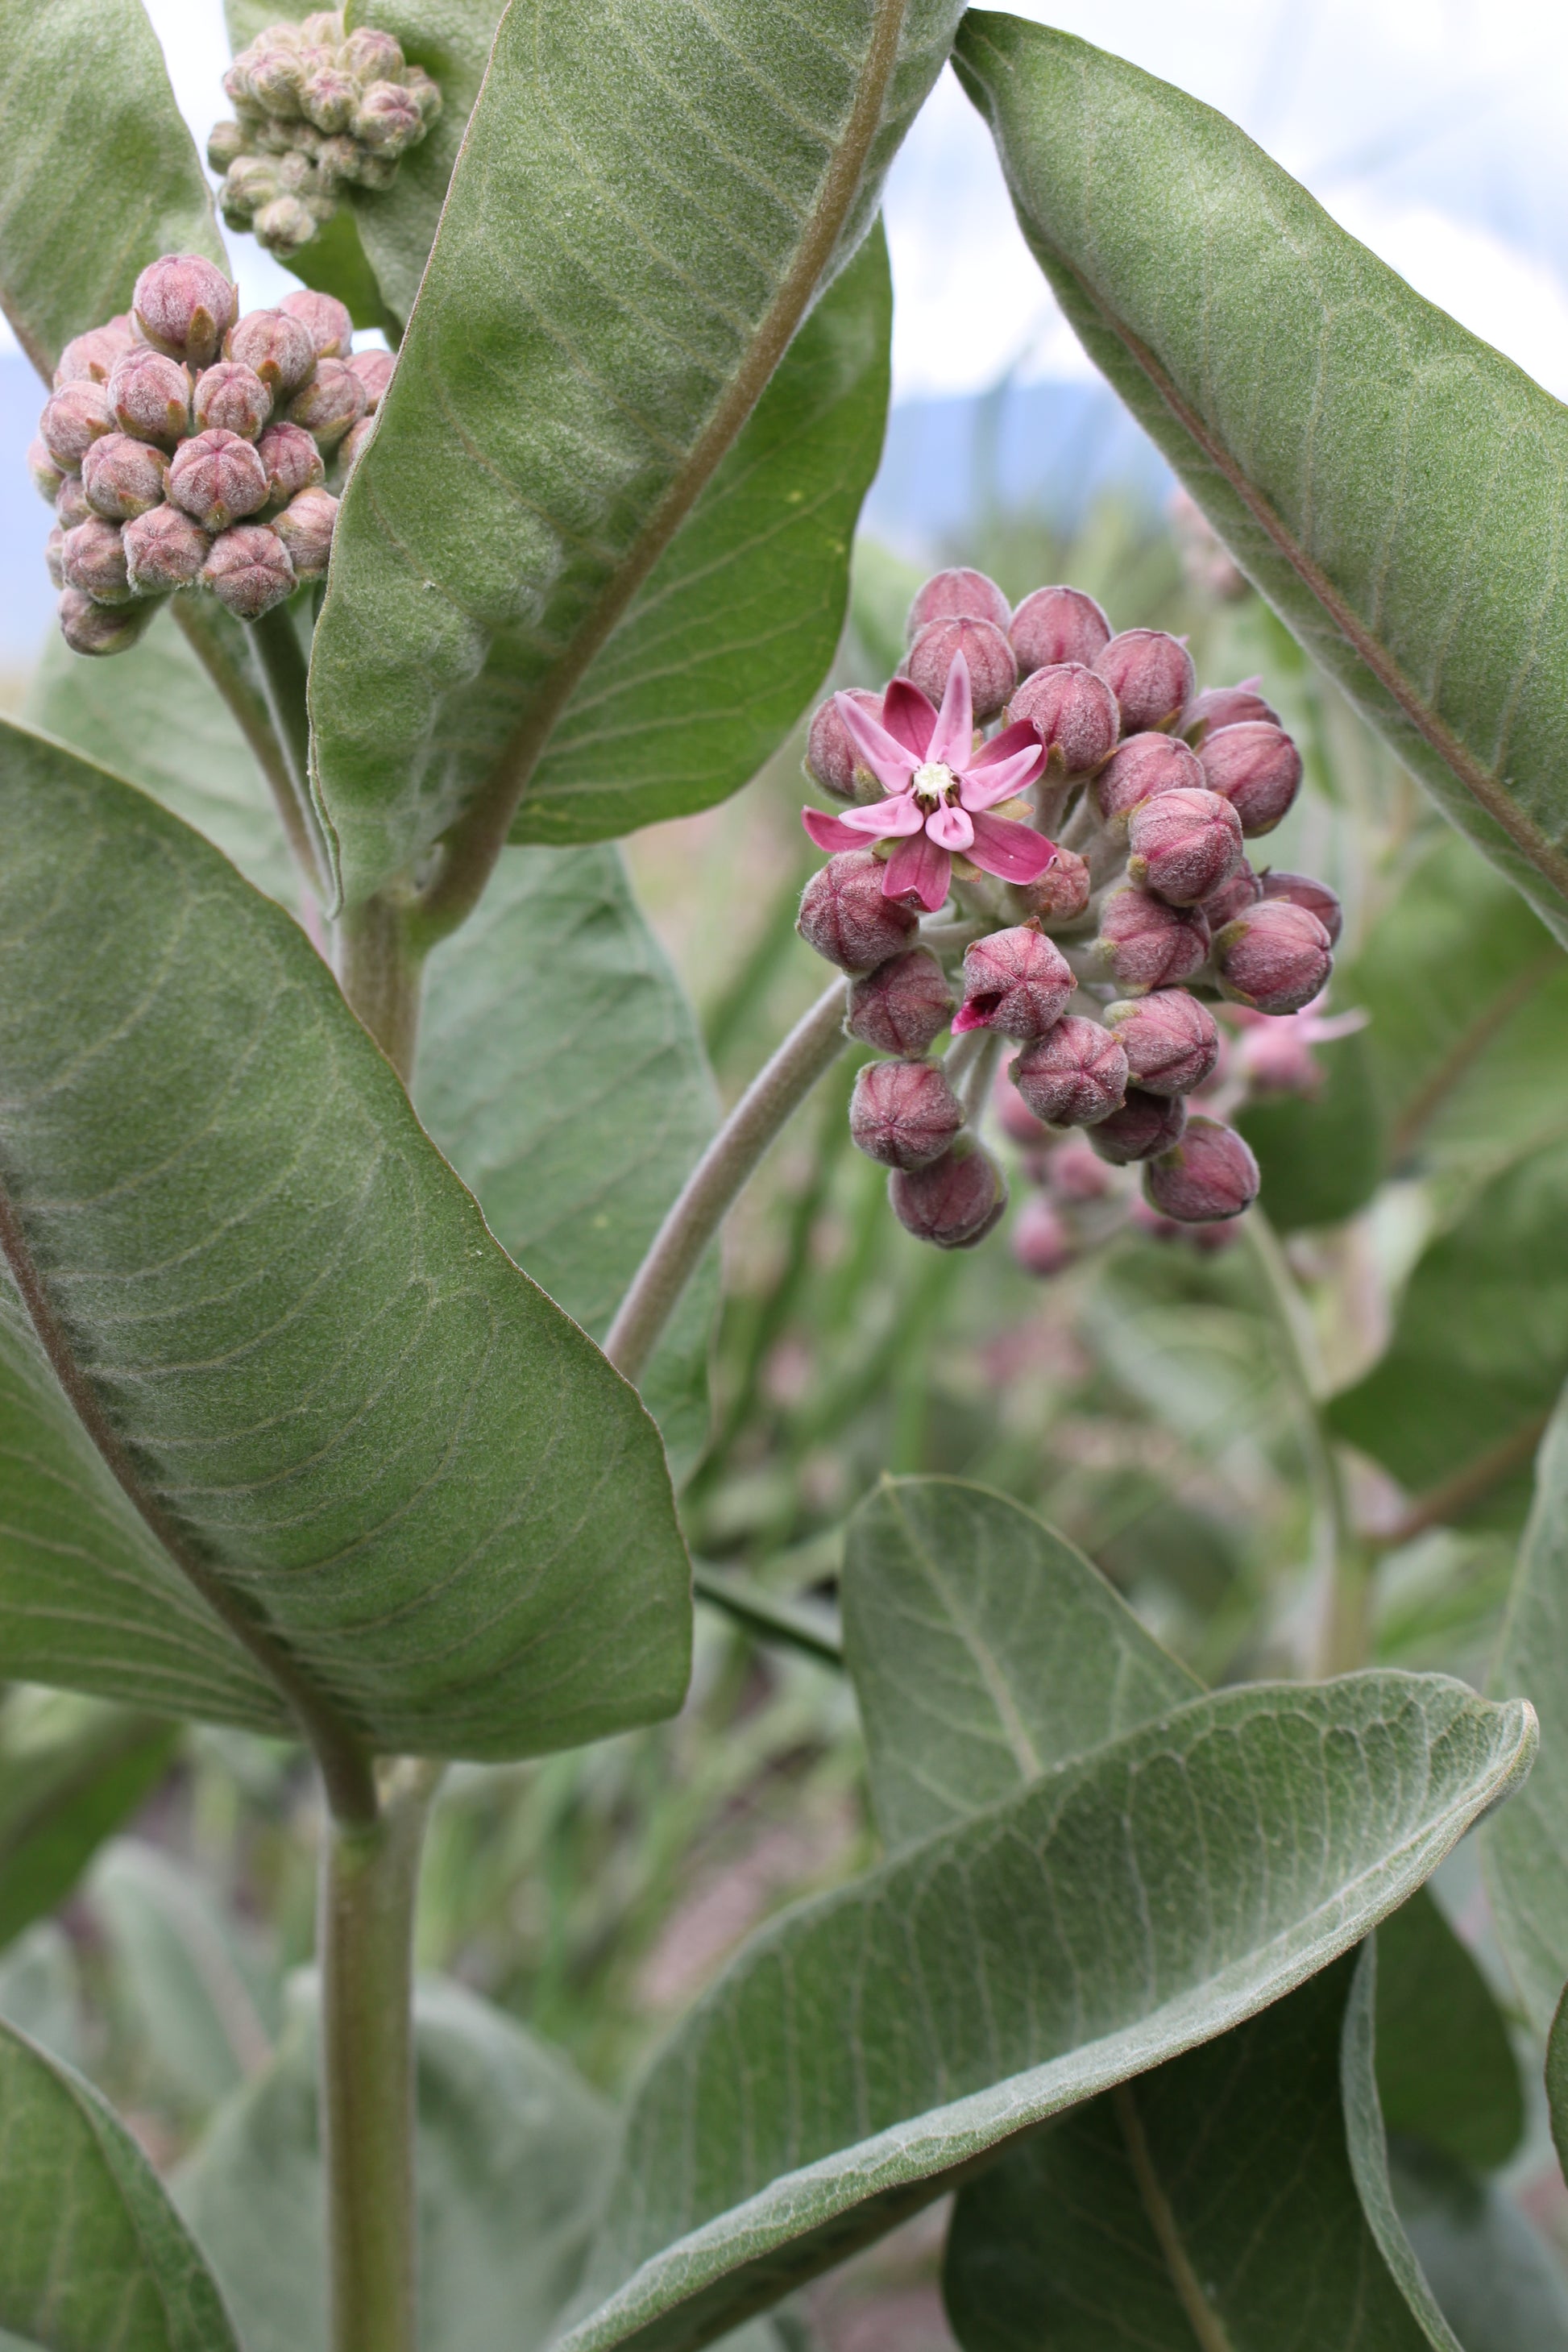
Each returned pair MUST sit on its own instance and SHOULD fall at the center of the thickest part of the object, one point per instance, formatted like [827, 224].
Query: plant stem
[285, 676]
[777, 1090]
[370, 1876]
[253, 715]
[767, 1616]
[379, 971]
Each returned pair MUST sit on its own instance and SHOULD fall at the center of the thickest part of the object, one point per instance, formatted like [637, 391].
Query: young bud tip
[903, 1006]
[903, 1114]
[1184, 845]
[1151, 676]
[1073, 712]
[957, 596]
[1209, 1174]
[1171, 1041]
[1255, 766]
[1274, 957]
[1145, 944]
[845, 916]
[1056, 626]
[993, 670]
[1075, 1076]
[953, 1203]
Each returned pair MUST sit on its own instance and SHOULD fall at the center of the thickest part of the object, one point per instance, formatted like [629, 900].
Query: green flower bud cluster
[319, 109]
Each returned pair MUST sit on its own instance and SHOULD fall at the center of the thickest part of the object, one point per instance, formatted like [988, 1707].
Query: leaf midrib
[1208, 2328]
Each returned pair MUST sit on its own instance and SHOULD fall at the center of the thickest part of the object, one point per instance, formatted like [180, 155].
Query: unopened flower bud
[1144, 765]
[1184, 845]
[993, 670]
[1075, 1076]
[1016, 981]
[332, 401]
[305, 527]
[1061, 893]
[248, 569]
[72, 504]
[903, 1113]
[217, 478]
[231, 398]
[1078, 1173]
[89, 627]
[1056, 625]
[225, 145]
[375, 371]
[274, 347]
[845, 917]
[1256, 767]
[1224, 705]
[956, 1201]
[1232, 897]
[1275, 957]
[73, 419]
[426, 93]
[185, 306]
[151, 396]
[1304, 890]
[387, 119]
[353, 447]
[830, 757]
[329, 98]
[1145, 1124]
[122, 477]
[163, 549]
[291, 461]
[1151, 676]
[1171, 1041]
[273, 74]
[957, 596]
[42, 471]
[1207, 1174]
[284, 226]
[92, 558]
[372, 55]
[1144, 944]
[1039, 1239]
[1074, 714]
[88, 359]
[54, 557]
[902, 1006]
[324, 319]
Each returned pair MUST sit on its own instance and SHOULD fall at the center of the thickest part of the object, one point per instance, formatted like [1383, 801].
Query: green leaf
[101, 175]
[512, 2152]
[1369, 2152]
[1392, 485]
[387, 1466]
[71, 1773]
[1321, 1158]
[669, 192]
[1497, 2284]
[92, 2252]
[1446, 2067]
[40, 1997]
[561, 1071]
[1128, 1905]
[985, 1651]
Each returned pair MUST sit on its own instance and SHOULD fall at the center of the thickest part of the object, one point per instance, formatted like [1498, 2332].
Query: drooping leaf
[386, 1462]
[642, 213]
[513, 2148]
[92, 2252]
[1126, 1907]
[101, 176]
[1446, 2068]
[1392, 484]
[1496, 2283]
[560, 1072]
[71, 1773]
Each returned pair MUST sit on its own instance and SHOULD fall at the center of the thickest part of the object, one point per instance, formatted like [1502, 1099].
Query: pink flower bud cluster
[1103, 953]
[187, 447]
[319, 109]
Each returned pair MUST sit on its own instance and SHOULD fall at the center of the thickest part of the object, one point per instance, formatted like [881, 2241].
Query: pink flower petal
[919, 865]
[1020, 736]
[827, 832]
[887, 759]
[984, 789]
[899, 814]
[968, 1017]
[1016, 852]
[908, 716]
[953, 739]
[950, 826]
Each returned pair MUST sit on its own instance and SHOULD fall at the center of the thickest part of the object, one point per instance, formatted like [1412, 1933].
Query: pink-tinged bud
[1275, 957]
[1144, 1125]
[324, 319]
[88, 359]
[903, 1113]
[92, 558]
[275, 347]
[42, 471]
[248, 569]
[1151, 676]
[1074, 714]
[231, 398]
[957, 596]
[1209, 1174]
[1171, 1041]
[328, 98]
[372, 55]
[73, 419]
[225, 145]
[1224, 706]
[845, 917]
[91, 629]
[151, 396]
[1144, 944]
[272, 76]
[1276, 1057]
[291, 461]
[163, 549]
[1256, 768]
[54, 557]
[1232, 897]
[121, 477]
[1018, 1123]
[1040, 1240]
[1078, 1173]
[1075, 1076]
[284, 226]
[305, 527]
[830, 756]
[72, 504]
[217, 478]
[992, 671]
[1184, 845]
[1016, 981]
[353, 447]
[332, 401]
[1061, 893]
[902, 1006]
[1146, 764]
[375, 371]
[956, 1201]
[1303, 891]
[185, 306]
[387, 119]
[1056, 626]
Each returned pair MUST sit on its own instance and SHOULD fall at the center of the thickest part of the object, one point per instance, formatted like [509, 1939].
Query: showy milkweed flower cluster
[1077, 883]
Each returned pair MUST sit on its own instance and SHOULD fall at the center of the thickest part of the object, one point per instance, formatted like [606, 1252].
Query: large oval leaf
[1393, 486]
[70, 1774]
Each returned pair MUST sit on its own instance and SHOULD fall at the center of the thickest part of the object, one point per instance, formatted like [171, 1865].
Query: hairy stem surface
[380, 970]
[252, 713]
[283, 669]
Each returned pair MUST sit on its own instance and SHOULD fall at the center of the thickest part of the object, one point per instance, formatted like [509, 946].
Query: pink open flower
[938, 790]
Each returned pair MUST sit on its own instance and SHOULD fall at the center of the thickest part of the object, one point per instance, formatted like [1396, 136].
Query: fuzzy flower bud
[830, 757]
[185, 306]
[1016, 981]
[1151, 676]
[285, 224]
[1303, 891]
[217, 478]
[957, 596]
[956, 1201]
[333, 399]
[1275, 957]
[374, 371]
[1144, 1125]
[902, 1006]
[54, 557]
[248, 569]
[305, 527]
[225, 145]
[845, 917]
[231, 398]
[1078, 1173]
[992, 671]
[43, 472]
[324, 319]
[1061, 893]
[1209, 1174]
[1074, 714]
[903, 1113]
[1171, 1041]
[151, 396]
[163, 549]
[1144, 944]
[1224, 705]
[353, 447]
[1256, 767]
[1232, 897]
[91, 629]
[387, 119]
[121, 477]
[1184, 845]
[92, 558]
[1144, 765]
[72, 504]
[291, 461]
[88, 359]
[1040, 1241]
[73, 419]
[329, 98]
[1056, 626]
[275, 347]
[371, 55]
[1075, 1076]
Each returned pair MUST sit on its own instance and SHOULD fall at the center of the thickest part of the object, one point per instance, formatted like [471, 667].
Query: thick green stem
[380, 970]
[285, 676]
[255, 716]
